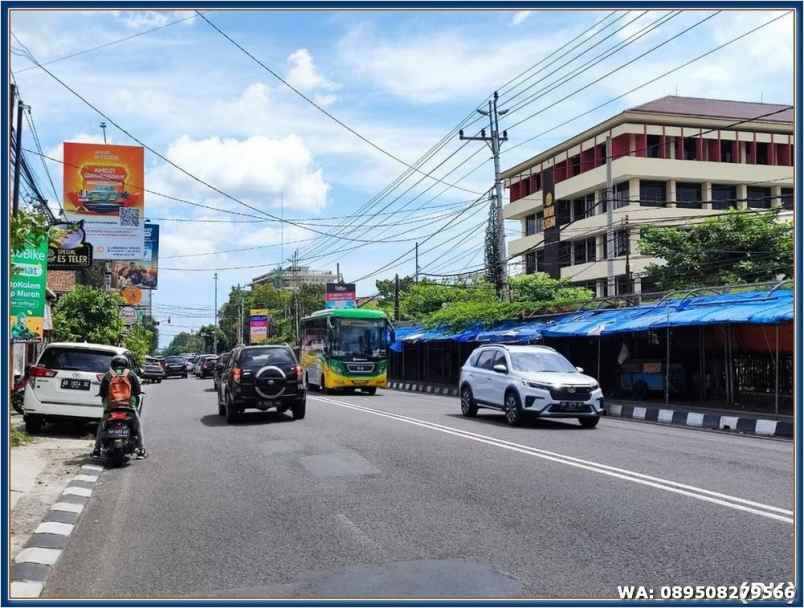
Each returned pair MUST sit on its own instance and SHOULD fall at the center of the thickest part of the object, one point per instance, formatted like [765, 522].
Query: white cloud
[137, 20]
[257, 170]
[519, 17]
[303, 74]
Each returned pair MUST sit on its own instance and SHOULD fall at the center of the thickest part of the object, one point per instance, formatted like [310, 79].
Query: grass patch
[19, 437]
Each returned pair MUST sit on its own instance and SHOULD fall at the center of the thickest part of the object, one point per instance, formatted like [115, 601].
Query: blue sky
[403, 80]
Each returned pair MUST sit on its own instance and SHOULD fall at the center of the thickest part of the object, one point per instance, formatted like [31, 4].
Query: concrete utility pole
[338, 272]
[417, 262]
[494, 141]
[396, 298]
[215, 334]
[628, 257]
[609, 223]
[17, 158]
[103, 128]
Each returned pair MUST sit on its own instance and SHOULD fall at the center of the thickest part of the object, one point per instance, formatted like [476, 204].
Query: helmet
[119, 361]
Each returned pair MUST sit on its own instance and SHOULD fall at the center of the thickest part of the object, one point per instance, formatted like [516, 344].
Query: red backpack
[120, 389]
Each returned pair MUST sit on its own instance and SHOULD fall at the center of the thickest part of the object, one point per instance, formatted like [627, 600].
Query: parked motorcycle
[18, 395]
[119, 434]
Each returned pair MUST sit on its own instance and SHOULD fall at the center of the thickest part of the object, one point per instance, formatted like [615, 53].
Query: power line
[323, 110]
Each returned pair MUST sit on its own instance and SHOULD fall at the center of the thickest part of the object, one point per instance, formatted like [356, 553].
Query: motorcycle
[119, 433]
[18, 395]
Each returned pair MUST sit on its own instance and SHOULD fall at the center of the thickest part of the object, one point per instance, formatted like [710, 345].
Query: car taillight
[236, 374]
[296, 372]
[118, 416]
[37, 371]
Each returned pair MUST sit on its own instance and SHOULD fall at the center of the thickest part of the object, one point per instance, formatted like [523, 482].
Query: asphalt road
[398, 495]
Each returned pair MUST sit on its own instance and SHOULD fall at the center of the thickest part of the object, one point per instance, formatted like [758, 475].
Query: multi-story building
[295, 276]
[674, 161]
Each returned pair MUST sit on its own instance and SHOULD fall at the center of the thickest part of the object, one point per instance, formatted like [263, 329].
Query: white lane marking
[694, 419]
[54, 527]
[92, 467]
[665, 416]
[20, 589]
[734, 502]
[38, 555]
[765, 427]
[89, 478]
[366, 543]
[76, 491]
[70, 507]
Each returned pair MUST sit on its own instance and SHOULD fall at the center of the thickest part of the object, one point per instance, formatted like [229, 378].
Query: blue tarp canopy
[754, 307]
[520, 332]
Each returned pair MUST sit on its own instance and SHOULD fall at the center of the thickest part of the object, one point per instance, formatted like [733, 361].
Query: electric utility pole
[103, 128]
[396, 298]
[215, 334]
[17, 158]
[494, 140]
[417, 262]
[610, 284]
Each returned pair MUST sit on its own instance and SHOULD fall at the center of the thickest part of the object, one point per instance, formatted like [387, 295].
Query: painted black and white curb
[424, 387]
[749, 425]
[740, 424]
[32, 564]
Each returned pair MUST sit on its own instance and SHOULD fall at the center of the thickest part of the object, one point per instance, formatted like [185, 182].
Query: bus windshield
[359, 337]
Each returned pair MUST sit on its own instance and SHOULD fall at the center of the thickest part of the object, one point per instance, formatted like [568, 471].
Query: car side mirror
[580, 369]
[500, 369]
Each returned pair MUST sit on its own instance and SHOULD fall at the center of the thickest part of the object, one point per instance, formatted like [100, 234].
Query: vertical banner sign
[340, 295]
[552, 231]
[258, 325]
[103, 186]
[28, 285]
[142, 274]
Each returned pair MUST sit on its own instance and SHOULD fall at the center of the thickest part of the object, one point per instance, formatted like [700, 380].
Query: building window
[621, 195]
[540, 260]
[787, 198]
[564, 254]
[688, 195]
[623, 285]
[564, 213]
[603, 203]
[763, 153]
[585, 250]
[530, 225]
[575, 165]
[654, 149]
[530, 263]
[691, 148]
[727, 151]
[723, 196]
[578, 209]
[590, 204]
[759, 198]
[620, 243]
[652, 194]
[539, 222]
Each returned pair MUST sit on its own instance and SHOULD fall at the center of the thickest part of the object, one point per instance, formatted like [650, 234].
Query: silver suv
[529, 380]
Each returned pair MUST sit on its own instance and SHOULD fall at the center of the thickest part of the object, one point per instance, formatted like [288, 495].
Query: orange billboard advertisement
[104, 186]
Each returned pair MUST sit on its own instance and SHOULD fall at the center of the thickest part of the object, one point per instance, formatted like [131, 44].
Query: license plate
[74, 384]
[572, 405]
[119, 431]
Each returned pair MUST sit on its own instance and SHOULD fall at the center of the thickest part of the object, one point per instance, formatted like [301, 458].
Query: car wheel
[370, 390]
[299, 409]
[221, 408]
[323, 386]
[33, 424]
[513, 409]
[468, 405]
[589, 422]
[231, 414]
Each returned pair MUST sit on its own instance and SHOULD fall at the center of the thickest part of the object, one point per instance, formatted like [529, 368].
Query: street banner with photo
[129, 314]
[28, 290]
[67, 247]
[340, 295]
[552, 230]
[142, 274]
[104, 187]
[258, 322]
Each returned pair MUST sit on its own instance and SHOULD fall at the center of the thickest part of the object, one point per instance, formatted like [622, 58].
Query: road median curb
[33, 563]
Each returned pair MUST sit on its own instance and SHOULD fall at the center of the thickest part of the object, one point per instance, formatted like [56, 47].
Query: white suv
[65, 382]
[535, 380]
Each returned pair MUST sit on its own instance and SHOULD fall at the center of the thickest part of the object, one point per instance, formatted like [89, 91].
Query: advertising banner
[103, 186]
[552, 234]
[67, 249]
[142, 274]
[340, 295]
[258, 323]
[28, 286]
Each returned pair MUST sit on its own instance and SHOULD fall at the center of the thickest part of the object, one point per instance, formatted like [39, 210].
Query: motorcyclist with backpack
[120, 387]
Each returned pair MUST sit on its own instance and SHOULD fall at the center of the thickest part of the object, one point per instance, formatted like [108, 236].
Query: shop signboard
[340, 295]
[142, 274]
[104, 187]
[67, 247]
[28, 288]
[258, 323]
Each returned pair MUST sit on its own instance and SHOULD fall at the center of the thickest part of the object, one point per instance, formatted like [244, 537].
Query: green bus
[345, 348]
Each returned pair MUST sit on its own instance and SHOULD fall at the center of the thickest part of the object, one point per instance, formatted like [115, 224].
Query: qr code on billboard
[129, 217]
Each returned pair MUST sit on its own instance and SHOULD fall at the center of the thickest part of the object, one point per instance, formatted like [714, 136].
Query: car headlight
[594, 386]
[544, 387]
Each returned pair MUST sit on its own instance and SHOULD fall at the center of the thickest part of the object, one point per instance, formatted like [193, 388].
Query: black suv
[175, 366]
[262, 377]
[220, 370]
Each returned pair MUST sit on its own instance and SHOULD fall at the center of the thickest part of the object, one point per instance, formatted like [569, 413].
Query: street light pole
[215, 333]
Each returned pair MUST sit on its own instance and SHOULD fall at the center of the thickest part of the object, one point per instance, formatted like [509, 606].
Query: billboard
[103, 186]
[258, 323]
[340, 295]
[67, 249]
[142, 274]
[28, 286]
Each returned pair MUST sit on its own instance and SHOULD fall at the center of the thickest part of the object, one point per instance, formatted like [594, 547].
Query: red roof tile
[717, 108]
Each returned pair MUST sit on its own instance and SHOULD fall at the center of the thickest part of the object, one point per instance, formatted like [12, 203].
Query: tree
[139, 340]
[185, 342]
[207, 333]
[27, 227]
[88, 314]
[733, 248]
